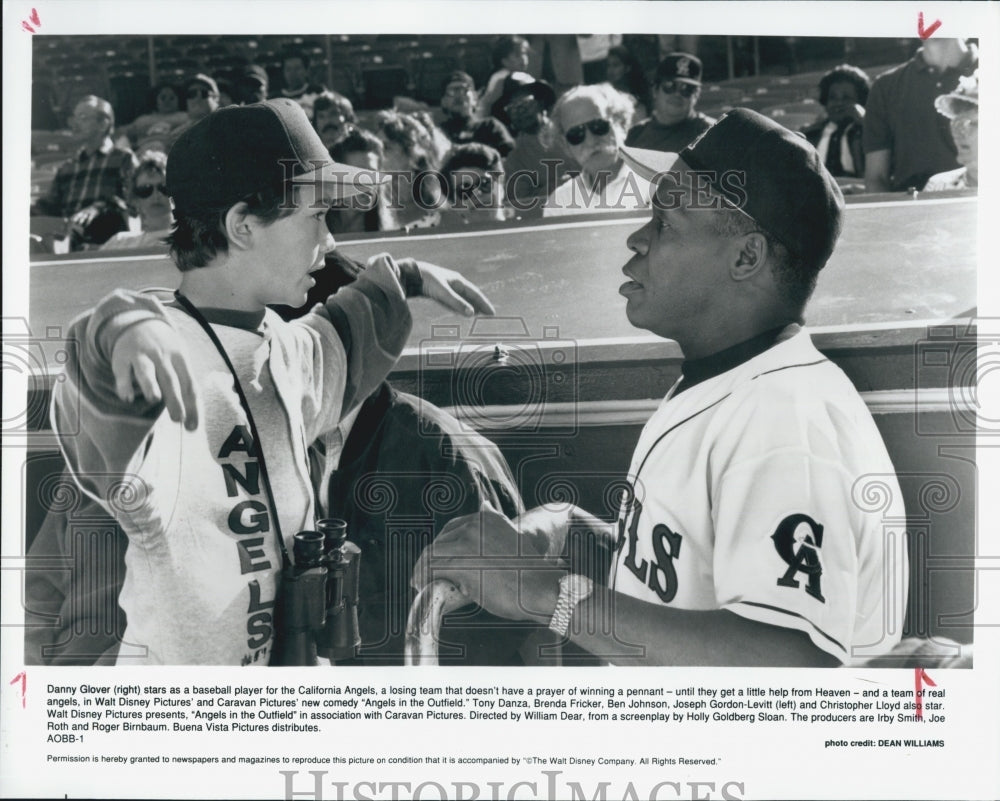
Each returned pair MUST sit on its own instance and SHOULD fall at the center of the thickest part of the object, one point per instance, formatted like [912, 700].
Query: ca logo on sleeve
[798, 540]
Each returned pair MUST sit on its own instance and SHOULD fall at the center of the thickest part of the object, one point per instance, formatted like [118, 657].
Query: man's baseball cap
[239, 150]
[204, 79]
[679, 67]
[460, 77]
[770, 173]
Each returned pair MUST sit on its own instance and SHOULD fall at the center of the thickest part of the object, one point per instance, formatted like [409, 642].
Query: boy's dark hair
[197, 239]
[504, 46]
[845, 73]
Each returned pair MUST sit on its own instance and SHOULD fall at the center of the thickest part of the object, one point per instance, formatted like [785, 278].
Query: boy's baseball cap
[682, 67]
[239, 150]
[785, 187]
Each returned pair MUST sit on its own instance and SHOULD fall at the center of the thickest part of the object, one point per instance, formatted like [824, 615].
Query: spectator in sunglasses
[590, 123]
[674, 123]
[202, 97]
[474, 177]
[147, 199]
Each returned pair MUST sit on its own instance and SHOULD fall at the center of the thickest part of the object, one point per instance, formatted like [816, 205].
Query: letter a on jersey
[798, 539]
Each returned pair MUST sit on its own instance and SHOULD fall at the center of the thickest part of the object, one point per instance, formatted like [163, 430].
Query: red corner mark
[23, 678]
[33, 18]
[923, 32]
[920, 677]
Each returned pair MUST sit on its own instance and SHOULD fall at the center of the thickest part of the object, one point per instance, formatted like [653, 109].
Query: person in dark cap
[674, 123]
[462, 125]
[745, 536]
[251, 85]
[536, 165]
[177, 398]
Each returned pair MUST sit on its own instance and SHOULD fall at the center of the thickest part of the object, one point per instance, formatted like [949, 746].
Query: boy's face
[286, 252]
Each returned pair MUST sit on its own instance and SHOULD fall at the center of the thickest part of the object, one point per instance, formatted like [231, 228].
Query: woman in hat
[961, 107]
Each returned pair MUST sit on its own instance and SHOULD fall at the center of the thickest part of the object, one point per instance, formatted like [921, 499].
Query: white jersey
[767, 491]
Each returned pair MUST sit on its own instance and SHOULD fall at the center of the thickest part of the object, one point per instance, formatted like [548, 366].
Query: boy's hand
[450, 289]
[147, 358]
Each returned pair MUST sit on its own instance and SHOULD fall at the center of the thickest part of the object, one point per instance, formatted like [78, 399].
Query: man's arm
[514, 574]
[877, 165]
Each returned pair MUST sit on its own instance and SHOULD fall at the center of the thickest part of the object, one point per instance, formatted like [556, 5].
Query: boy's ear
[238, 225]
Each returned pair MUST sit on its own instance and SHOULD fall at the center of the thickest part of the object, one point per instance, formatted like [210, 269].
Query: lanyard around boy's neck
[191, 309]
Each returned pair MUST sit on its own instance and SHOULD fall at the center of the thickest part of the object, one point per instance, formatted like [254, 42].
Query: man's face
[295, 73]
[255, 90]
[526, 114]
[595, 151]
[679, 262]
[459, 99]
[88, 123]
[289, 250]
[331, 124]
[965, 132]
[201, 100]
[674, 101]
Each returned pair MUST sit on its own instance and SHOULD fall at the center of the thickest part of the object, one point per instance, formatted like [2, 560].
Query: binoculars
[318, 601]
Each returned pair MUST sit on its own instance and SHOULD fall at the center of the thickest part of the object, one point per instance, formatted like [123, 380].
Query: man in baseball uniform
[763, 524]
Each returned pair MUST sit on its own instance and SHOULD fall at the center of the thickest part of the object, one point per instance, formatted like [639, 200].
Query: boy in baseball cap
[195, 410]
[743, 538]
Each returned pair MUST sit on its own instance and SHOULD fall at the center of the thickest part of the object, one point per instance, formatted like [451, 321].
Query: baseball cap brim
[349, 181]
[648, 164]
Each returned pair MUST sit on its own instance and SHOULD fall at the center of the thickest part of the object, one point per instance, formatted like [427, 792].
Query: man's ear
[239, 226]
[751, 258]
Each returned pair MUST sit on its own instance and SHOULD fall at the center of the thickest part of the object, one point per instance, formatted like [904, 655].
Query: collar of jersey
[694, 371]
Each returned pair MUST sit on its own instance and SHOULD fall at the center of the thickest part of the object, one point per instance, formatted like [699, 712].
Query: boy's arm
[126, 368]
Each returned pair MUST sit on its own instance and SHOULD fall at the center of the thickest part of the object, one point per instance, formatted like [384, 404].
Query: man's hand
[450, 289]
[147, 358]
[84, 217]
[485, 556]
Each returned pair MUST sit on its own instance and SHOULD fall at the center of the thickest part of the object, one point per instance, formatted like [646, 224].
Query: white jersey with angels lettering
[767, 490]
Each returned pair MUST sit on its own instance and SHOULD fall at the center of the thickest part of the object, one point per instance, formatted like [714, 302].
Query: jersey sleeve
[797, 543]
[785, 550]
[100, 435]
[372, 322]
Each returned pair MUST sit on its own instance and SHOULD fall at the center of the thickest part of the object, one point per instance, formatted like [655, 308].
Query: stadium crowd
[513, 146]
